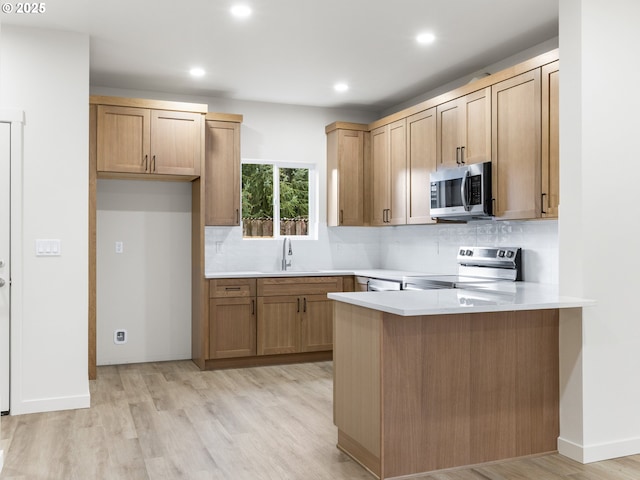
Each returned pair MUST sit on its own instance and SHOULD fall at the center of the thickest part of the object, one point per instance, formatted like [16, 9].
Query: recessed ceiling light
[425, 38]
[341, 87]
[241, 11]
[197, 72]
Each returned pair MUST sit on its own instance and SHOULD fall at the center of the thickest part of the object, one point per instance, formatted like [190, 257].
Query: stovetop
[478, 268]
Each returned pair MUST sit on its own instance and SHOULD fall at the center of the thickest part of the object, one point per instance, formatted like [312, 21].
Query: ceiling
[294, 51]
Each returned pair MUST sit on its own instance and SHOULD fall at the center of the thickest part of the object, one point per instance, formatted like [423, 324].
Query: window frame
[312, 231]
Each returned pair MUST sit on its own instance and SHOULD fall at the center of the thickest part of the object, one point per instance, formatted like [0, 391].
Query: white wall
[600, 357]
[269, 131]
[46, 74]
[146, 289]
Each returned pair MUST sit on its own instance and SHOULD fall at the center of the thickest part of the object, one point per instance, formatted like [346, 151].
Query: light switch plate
[48, 247]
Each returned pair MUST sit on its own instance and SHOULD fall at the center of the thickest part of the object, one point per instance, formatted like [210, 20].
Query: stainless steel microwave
[462, 193]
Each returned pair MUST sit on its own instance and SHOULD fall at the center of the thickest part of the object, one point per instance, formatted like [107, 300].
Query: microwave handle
[463, 191]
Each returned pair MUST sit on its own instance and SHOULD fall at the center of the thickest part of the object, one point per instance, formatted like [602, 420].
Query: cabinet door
[550, 141]
[317, 323]
[397, 214]
[222, 173]
[379, 175]
[232, 327]
[176, 142]
[449, 124]
[464, 130]
[123, 139]
[345, 177]
[421, 161]
[278, 325]
[351, 177]
[516, 163]
[476, 139]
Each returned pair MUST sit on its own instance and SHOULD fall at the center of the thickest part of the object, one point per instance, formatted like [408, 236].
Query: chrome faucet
[286, 263]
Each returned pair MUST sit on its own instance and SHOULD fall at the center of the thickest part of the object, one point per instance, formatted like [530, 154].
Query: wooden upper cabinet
[389, 174]
[176, 143]
[123, 139]
[345, 177]
[133, 140]
[464, 130]
[550, 140]
[421, 161]
[516, 137]
[222, 173]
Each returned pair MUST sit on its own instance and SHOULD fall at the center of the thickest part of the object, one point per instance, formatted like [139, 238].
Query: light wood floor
[170, 421]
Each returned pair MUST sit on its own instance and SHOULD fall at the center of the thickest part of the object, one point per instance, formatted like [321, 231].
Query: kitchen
[610, 360]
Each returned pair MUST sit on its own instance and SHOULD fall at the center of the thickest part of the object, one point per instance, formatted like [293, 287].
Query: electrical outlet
[119, 247]
[120, 337]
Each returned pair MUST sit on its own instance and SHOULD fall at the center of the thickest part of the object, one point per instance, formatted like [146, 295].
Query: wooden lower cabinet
[296, 323]
[270, 320]
[232, 327]
[278, 325]
[232, 318]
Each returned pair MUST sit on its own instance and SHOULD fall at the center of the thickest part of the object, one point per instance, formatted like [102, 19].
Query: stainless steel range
[478, 268]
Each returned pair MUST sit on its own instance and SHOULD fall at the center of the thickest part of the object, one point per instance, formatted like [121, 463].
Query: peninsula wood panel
[426, 377]
[455, 389]
[357, 407]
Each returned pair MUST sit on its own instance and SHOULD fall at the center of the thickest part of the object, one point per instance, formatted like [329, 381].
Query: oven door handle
[463, 192]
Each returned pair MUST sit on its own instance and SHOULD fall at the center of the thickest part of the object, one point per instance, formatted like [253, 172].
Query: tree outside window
[275, 194]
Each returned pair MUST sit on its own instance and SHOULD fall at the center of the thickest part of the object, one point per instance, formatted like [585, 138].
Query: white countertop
[509, 297]
[278, 273]
[373, 273]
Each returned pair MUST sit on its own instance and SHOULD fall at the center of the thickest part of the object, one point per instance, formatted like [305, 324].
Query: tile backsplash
[419, 248]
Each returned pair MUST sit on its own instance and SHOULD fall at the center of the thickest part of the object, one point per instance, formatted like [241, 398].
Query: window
[278, 199]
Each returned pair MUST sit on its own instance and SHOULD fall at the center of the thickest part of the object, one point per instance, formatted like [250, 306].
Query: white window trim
[313, 199]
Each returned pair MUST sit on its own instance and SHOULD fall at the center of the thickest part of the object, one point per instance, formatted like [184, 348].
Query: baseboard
[598, 452]
[146, 359]
[51, 404]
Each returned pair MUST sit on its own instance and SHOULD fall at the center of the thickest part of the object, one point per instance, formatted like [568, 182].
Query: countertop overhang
[508, 297]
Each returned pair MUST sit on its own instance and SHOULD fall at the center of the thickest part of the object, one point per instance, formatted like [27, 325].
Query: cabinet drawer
[232, 287]
[298, 286]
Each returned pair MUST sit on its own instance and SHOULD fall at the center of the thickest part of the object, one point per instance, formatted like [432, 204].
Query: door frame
[17, 120]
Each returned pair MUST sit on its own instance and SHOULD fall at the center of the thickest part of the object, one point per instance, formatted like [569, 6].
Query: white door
[5, 197]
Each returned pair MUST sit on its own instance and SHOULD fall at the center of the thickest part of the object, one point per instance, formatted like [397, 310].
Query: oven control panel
[503, 257]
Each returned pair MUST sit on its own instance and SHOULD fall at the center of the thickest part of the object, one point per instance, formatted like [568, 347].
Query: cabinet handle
[458, 155]
[298, 305]
[542, 210]
[253, 307]
[462, 155]
[228, 289]
[237, 217]
[153, 164]
[146, 163]
[341, 217]
[304, 309]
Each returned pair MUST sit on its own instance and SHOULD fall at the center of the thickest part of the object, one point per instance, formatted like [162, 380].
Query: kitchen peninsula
[426, 380]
